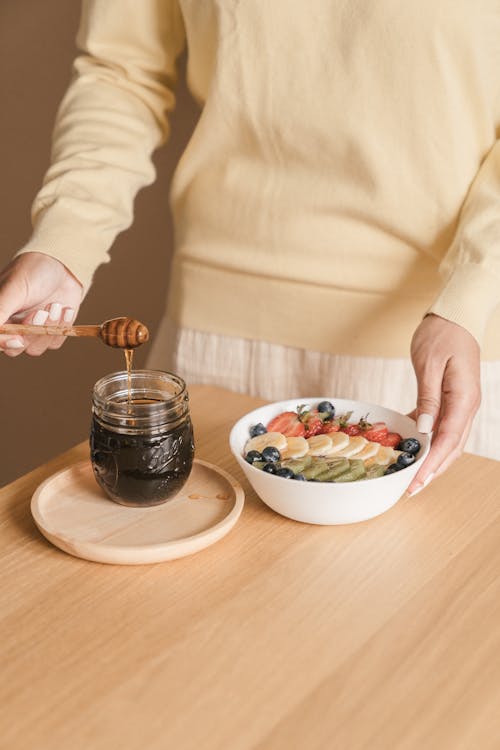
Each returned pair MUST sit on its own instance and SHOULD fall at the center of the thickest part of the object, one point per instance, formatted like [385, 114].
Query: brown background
[45, 401]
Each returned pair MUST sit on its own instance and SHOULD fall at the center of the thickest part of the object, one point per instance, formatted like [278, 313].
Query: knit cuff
[78, 245]
[468, 298]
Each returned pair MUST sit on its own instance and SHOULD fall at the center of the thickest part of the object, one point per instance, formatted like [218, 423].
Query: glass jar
[141, 439]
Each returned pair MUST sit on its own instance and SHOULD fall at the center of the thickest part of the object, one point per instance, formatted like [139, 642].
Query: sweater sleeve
[471, 267]
[111, 119]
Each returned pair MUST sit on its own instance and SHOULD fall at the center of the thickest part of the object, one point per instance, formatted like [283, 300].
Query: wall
[45, 401]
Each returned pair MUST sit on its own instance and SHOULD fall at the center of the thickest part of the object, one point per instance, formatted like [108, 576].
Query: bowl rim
[425, 439]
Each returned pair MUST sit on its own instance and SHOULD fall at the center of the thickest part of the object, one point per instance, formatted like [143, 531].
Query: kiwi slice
[297, 465]
[335, 469]
[356, 471]
[374, 471]
[338, 465]
[259, 464]
[315, 468]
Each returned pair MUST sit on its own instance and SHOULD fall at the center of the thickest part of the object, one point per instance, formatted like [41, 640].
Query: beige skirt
[276, 372]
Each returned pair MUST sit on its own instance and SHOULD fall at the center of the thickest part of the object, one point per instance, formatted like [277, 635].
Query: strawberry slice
[352, 429]
[376, 432]
[330, 426]
[314, 426]
[288, 423]
[390, 440]
[312, 420]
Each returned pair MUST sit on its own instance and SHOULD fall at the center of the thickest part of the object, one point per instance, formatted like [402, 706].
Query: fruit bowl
[321, 502]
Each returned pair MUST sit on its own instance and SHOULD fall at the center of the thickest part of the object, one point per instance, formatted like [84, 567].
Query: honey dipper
[121, 333]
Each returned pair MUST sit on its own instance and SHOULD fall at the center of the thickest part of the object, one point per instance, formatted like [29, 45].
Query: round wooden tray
[73, 513]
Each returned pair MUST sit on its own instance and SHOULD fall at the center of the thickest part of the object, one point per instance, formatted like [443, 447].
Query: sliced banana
[356, 445]
[339, 441]
[296, 447]
[370, 450]
[384, 456]
[319, 445]
[258, 443]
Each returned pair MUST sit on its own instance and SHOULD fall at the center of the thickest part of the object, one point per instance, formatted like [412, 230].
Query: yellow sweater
[343, 179]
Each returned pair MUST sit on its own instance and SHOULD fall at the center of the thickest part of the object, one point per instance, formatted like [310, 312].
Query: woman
[337, 201]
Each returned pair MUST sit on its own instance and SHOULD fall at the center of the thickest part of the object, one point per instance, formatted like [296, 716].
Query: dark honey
[141, 450]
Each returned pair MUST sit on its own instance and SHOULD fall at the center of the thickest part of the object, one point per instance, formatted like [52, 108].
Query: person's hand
[37, 289]
[446, 361]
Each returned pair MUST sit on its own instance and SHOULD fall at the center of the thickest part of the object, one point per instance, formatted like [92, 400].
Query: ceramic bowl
[329, 502]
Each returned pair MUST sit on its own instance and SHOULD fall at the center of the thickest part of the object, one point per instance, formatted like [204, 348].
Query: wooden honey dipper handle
[121, 333]
[30, 330]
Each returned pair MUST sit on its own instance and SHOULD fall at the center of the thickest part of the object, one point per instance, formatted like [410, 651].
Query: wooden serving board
[73, 513]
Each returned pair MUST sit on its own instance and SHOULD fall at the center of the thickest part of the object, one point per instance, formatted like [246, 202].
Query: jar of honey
[141, 438]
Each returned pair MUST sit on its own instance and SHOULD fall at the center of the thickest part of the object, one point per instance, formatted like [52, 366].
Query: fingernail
[68, 315]
[40, 317]
[425, 423]
[55, 311]
[421, 487]
[14, 344]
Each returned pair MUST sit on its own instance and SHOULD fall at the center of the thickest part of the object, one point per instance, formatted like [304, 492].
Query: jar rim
[136, 374]
[111, 404]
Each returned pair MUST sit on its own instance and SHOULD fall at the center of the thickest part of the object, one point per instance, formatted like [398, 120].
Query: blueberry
[270, 468]
[285, 473]
[271, 454]
[327, 408]
[409, 445]
[253, 456]
[392, 468]
[405, 459]
[300, 477]
[257, 429]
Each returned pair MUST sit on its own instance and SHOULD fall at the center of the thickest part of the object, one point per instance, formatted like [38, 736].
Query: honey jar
[141, 438]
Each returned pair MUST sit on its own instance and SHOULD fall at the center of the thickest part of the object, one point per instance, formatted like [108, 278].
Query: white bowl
[329, 502]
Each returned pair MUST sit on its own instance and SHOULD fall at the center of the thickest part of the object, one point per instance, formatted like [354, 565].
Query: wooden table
[384, 634]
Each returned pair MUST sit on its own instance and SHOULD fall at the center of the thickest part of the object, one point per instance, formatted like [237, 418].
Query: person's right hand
[37, 289]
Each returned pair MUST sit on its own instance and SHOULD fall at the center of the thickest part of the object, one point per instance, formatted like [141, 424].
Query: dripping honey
[129, 356]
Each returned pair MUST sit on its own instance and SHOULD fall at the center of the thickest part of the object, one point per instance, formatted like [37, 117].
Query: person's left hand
[446, 361]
